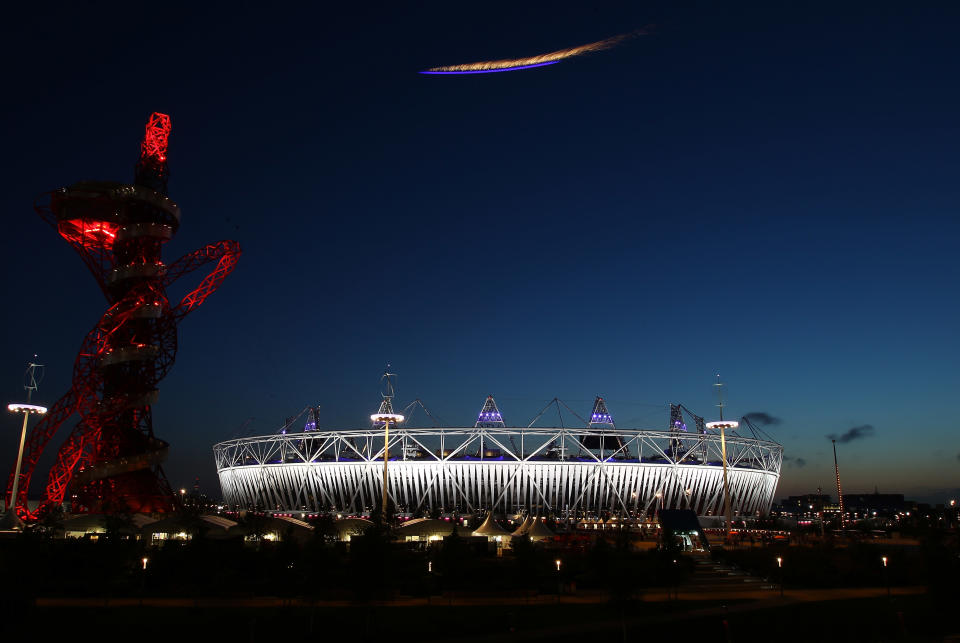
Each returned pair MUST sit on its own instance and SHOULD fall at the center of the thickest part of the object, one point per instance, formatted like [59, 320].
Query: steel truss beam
[477, 468]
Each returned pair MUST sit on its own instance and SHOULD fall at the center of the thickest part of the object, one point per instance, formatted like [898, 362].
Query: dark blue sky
[768, 193]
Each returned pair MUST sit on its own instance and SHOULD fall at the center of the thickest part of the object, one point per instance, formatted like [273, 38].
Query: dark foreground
[119, 589]
[901, 618]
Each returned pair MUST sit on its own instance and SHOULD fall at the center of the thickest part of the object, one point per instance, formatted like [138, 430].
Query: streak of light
[512, 64]
[490, 71]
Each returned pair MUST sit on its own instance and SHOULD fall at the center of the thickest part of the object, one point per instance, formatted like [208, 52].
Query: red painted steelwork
[156, 137]
[111, 459]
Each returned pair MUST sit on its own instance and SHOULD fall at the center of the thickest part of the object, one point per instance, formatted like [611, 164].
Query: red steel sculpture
[111, 460]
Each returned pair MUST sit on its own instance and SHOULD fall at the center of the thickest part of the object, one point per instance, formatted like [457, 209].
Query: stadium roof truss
[625, 471]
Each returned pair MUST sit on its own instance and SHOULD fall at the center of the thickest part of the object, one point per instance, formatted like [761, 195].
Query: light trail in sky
[439, 70]
[513, 64]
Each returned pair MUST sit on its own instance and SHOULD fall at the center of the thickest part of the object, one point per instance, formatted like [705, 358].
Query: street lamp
[11, 520]
[675, 577]
[780, 565]
[723, 426]
[886, 575]
[386, 415]
[557, 561]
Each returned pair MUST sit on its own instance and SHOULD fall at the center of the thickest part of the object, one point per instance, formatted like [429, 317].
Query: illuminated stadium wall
[564, 471]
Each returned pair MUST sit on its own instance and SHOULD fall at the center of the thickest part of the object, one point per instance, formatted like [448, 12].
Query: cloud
[854, 433]
[761, 418]
[795, 462]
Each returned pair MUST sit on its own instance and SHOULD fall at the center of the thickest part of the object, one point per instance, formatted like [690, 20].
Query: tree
[189, 517]
[49, 525]
[117, 520]
[324, 528]
[255, 525]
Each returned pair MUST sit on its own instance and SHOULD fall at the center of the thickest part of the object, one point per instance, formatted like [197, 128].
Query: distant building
[882, 503]
[809, 503]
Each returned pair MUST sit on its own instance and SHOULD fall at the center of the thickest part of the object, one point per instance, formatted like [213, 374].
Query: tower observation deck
[111, 460]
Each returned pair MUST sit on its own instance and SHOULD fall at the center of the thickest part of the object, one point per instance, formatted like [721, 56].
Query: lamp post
[780, 565]
[675, 577]
[386, 415]
[723, 425]
[11, 520]
[886, 576]
[727, 509]
[386, 418]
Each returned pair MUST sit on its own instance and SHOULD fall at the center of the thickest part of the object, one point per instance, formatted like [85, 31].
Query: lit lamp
[780, 565]
[386, 415]
[11, 520]
[886, 576]
[723, 425]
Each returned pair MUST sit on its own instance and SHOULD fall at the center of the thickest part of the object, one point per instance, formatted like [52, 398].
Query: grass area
[934, 564]
[907, 618]
[911, 618]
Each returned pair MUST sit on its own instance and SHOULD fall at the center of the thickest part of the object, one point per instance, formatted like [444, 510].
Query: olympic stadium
[570, 472]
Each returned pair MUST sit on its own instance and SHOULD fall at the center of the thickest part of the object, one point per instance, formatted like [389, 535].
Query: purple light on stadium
[491, 71]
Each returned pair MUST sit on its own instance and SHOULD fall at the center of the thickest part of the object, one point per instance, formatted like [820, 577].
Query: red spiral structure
[111, 461]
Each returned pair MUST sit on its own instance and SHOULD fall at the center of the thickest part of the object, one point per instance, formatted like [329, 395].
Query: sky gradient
[767, 193]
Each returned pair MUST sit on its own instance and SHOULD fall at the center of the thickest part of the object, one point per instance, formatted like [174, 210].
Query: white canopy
[539, 531]
[524, 527]
[490, 528]
[426, 527]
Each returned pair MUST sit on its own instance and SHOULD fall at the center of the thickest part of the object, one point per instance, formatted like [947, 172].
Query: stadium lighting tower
[723, 425]
[11, 520]
[386, 415]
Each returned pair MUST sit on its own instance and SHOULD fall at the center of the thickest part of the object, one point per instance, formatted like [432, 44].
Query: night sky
[768, 193]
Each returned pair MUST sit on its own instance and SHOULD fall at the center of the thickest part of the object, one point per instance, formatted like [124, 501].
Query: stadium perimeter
[568, 472]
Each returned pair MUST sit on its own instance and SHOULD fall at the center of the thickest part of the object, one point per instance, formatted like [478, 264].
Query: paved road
[755, 599]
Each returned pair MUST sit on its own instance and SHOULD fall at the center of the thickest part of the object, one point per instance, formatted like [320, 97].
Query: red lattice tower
[111, 461]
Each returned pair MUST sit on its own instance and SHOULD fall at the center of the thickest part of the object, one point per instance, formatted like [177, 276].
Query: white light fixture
[27, 408]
